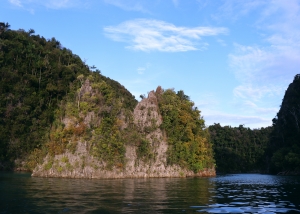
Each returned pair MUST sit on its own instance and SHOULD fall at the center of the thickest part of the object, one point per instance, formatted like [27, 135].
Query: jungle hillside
[51, 101]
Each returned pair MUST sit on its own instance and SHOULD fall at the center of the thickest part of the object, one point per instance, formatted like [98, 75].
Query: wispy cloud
[57, 4]
[265, 70]
[176, 2]
[236, 120]
[16, 2]
[129, 5]
[212, 111]
[155, 35]
[249, 61]
[203, 3]
[222, 42]
[257, 92]
[234, 9]
[259, 110]
[207, 100]
[53, 4]
[139, 85]
[141, 70]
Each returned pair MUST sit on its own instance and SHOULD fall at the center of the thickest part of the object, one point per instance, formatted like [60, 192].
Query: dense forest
[44, 84]
[284, 145]
[274, 149]
[38, 76]
[185, 128]
[239, 149]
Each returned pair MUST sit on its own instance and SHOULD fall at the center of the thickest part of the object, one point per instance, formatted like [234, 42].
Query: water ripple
[243, 193]
[254, 194]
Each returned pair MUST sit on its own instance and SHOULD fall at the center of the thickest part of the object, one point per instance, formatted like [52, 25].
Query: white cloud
[236, 120]
[154, 35]
[141, 70]
[264, 71]
[212, 111]
[129, 5]
[175, 2]
[16, 2]
[57, 4]
[256, 93]
[138, 85]
[260, 110]
[53, 4]
[203, 3]
[222, 42]
[234, 9]
[206, 101]
[249, 61]
[279, 21]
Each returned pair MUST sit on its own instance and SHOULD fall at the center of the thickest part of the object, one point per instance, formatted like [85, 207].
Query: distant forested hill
[274, 149]
[239, 149]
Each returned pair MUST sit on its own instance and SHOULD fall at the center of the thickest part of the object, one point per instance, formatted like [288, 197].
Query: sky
[233, 58]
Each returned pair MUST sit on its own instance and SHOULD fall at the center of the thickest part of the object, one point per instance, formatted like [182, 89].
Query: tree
[4, 27]
[182, 96]
[30, 32]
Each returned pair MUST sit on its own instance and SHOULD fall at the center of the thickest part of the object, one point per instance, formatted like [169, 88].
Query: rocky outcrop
[81, 164]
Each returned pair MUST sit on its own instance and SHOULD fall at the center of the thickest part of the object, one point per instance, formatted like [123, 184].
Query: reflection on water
[20, 193]
[252, 193]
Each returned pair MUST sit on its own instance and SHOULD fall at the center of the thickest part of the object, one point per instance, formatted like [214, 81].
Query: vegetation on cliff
[51, 102]
[188, 140]
[284, 147]
[39, 78]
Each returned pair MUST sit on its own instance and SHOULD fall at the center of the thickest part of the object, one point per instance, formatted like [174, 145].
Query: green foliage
[35, 75]
[35, 157]
[239, 149]
[284, 148]
[43, 83]
[39, 80]
[65, 159]
[137, 138]
[144, 150]
[188, 140]
[107, 142]
[48, 165]
[95, 99]
[59, 168]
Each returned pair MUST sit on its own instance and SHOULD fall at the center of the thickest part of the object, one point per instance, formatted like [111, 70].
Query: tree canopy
[36, 75]
[41, 83]
[239, 149]
[188, 140]
[284, 147]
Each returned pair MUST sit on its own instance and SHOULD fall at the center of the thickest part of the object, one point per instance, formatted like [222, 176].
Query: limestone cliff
[62, 118]
[145, 158]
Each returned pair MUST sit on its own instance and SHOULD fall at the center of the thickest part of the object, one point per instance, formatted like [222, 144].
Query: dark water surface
[239, 193]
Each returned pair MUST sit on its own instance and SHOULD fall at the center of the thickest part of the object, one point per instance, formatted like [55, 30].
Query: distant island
[62, 118]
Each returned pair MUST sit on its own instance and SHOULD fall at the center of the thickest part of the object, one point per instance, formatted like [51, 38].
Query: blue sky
[235, 59]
